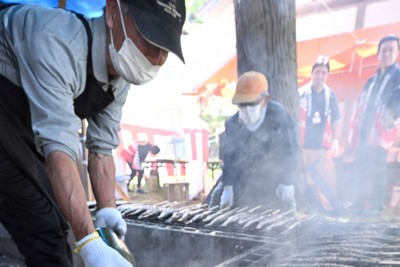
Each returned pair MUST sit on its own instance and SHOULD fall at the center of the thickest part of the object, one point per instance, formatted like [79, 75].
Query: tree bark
[266, 42]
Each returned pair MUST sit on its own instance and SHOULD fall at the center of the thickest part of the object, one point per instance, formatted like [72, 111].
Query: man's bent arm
[69, 193]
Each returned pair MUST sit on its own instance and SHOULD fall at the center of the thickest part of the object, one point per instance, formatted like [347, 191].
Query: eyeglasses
[242, 105]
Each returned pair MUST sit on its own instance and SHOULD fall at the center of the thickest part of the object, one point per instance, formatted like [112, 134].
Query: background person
[319, 130]
[134, 156]
[128, 154]
[373, 129]
[259, 149]
[57, 68]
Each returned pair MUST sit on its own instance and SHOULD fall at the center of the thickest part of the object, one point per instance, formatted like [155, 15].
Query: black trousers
[27, 207]
[31, 220]
[370, 178]
[135, 172]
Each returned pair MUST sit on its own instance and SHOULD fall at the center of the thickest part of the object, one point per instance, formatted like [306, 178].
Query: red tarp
[353, 59]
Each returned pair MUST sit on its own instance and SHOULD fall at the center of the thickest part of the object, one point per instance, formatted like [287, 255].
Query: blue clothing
[314, 130]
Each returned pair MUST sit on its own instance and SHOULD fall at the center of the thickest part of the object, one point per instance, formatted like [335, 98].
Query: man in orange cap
[259, 149]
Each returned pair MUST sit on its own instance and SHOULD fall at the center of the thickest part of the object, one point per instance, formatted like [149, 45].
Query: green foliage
[214, 123]
[192, 8]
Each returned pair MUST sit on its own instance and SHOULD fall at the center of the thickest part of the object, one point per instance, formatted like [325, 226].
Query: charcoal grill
[324, 243]
[283, 240]
[162, 242]
[292, 241]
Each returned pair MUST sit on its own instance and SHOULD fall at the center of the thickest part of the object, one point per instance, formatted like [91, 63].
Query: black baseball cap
[160, 22]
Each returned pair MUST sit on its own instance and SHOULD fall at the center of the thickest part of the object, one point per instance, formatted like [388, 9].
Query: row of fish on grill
[364, 247]
[238, 218]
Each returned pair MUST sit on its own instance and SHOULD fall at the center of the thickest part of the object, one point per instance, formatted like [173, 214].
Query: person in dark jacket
[259, 150]
[374, 125]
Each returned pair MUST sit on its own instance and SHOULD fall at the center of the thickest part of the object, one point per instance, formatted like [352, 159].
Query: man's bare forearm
[69, 193]
[102, 177]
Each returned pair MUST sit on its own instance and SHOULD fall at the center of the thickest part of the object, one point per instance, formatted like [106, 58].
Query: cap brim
[247, 99]
[157, 33]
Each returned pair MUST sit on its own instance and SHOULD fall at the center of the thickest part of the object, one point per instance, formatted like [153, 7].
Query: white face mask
[129, 62]
[250, 114]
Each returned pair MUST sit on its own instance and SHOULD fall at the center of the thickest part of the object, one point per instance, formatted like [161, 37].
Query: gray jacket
[44, 51]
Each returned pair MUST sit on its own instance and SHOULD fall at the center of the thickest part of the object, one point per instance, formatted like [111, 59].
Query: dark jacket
[380, 94]
[255, 163]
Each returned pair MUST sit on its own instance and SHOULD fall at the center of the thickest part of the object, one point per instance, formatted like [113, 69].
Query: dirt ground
[148, 197]
[154, 194]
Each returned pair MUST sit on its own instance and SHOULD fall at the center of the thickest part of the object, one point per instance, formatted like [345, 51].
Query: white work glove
[335, 147]
[285, 192]
[111, 218]
[95, 252]
[226, 197]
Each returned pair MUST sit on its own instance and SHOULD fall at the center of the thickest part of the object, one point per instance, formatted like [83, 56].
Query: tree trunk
[266, 42]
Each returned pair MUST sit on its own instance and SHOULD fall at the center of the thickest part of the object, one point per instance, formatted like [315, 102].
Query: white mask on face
[250, 114]
[129, 62]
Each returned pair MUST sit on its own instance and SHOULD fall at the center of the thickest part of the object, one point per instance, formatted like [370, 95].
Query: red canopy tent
[353, 60]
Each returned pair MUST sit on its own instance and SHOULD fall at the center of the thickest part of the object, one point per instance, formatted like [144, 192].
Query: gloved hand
[215, 197]
[335, 147]
[95, 252]
[285, 192]
[226, 197]
[111, 218]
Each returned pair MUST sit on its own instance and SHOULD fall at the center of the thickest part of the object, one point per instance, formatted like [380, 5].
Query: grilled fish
[273, 219]
[239, 215]
[223, 217]
[253, 220]
[211, 217]
[177, 214]
[167, 212]
[280, 223]
[191, 213]
[199, 217]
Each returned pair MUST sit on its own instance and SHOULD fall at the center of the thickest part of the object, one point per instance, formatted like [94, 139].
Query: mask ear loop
[112, 38]
[123, 24]
[122, 19]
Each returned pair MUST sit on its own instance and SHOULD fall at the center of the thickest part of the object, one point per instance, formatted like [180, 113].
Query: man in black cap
[374, 127]
[56, 68]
